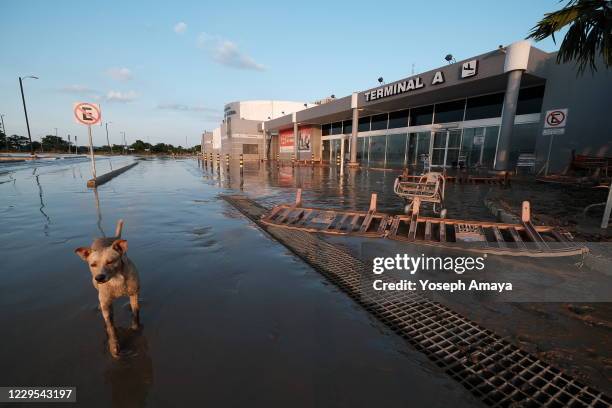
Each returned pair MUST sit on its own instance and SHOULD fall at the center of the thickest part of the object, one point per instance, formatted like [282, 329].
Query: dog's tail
[118, 229]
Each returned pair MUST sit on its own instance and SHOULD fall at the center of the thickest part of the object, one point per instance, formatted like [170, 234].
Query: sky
[162, 71]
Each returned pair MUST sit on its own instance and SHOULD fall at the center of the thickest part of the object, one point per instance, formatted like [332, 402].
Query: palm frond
[589, 34]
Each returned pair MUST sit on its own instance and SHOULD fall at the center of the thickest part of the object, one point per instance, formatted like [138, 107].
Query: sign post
[88, 114]
[554, 124]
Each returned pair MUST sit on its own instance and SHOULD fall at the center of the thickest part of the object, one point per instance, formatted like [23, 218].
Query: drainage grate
[494, 370]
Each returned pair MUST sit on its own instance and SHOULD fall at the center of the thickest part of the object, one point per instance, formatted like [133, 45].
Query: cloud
[180, 28]
[120, 74]
[118, 96]
[185, 108]
[77, 89]
[226, 52]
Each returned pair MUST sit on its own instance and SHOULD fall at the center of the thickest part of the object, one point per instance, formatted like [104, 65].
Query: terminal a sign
[468, 69]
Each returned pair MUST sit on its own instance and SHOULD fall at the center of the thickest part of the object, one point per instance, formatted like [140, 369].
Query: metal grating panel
[494, 370]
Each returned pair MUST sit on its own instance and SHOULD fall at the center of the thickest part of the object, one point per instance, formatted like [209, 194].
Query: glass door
[445, 148]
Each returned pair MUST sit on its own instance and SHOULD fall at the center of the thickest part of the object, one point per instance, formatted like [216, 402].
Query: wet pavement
[230, 318]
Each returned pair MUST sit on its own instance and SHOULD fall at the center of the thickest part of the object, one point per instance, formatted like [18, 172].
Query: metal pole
[342, 156]
[4, 131]
[76, 145]
[552, 136]
[605, 221]
[91, 153]
[25, 110]
[107, 140]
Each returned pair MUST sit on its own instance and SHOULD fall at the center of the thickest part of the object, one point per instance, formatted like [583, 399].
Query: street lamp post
[25, 110]
[124, 143]
[107, 139]
[4, 131]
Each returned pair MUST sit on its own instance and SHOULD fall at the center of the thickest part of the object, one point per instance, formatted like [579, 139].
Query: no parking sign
[554, 122]
[87, 113]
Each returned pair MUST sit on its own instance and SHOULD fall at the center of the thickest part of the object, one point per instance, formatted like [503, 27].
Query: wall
[589, 120]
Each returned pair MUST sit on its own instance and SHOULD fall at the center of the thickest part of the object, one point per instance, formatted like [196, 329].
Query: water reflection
[42, 204]
[98, 211]
[131, 376]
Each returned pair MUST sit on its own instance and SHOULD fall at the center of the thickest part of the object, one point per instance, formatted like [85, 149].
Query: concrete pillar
[517, 57]
[354, 130]
[295, 137]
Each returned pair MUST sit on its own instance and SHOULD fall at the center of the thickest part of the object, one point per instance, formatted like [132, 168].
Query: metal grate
[491, 368]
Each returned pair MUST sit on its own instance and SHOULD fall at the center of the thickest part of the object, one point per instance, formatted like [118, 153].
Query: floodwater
[230, 317]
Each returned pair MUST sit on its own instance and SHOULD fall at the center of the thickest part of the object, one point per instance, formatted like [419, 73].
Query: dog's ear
[120, 246]
[83, 252]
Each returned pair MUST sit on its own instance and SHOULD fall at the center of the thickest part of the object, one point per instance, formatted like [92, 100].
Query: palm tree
[589, 34]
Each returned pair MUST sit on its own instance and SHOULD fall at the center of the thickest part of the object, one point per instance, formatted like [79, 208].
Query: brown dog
[114, 275]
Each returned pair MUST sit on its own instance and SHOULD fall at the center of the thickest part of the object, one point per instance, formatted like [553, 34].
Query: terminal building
[481, 112]
[240, 132]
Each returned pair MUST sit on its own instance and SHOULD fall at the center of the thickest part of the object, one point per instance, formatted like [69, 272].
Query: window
[396, 150]
[530, 100]
[347, 127]
[483, 107]
[421, 116]
[326, 130]
[418, 148]
[378, 145]
[362, 149]
[336, 128]
[449, 111]
[250, 149]
[379, 122]
[364, 124]
[398, 119]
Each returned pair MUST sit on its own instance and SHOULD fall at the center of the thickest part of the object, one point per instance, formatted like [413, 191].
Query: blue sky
[162, 71]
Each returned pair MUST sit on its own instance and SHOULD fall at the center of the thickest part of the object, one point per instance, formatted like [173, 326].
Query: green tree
[140, 146]
[19, 143]
[588, 37]
[54, 143]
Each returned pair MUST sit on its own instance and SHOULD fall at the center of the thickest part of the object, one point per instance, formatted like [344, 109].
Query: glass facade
[379, 122]
[472, 147]
[364, 124]
[326, 130]
[421, 116]
[347, 127]
[362, 149]
[378, 146]
[524, 138]
[530, 100]
[449, 111]
[399, 119]
[396, 150]
[336, 128]
[484, 107]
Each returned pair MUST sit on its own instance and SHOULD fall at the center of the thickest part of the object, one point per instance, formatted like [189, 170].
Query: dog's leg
[107, 313]
[135, 311]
